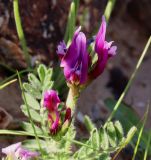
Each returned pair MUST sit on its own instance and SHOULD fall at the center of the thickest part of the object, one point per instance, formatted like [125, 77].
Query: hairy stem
[73, 96]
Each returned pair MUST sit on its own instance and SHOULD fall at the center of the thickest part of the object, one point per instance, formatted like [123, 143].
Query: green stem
[129, 137]
[147, 147]
[7, 83]
[71, 21]
[20, 32]
[24, 133]
[130, 81]
[108, 9]
[111, 149]
[18, 133]
[73, 96]
[29, 115]
[14, 75]
[43, 123]
[140, 134]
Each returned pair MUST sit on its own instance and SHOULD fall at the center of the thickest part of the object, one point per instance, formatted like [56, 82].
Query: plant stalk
[73, 96]
[109, 8]
[29, 114]
[20, 32]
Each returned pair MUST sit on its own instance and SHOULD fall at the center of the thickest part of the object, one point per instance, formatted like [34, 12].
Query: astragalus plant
[51, 121]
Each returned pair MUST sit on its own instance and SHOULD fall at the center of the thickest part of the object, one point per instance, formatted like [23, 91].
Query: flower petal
[72, 55]
[68, 114]
[51, 100]
[100, 37]
[61, 49]
[25, 154]
[75, 62]
[103, 49]
[101, 63]
[55, 125]
[11, 149]
[112, 51]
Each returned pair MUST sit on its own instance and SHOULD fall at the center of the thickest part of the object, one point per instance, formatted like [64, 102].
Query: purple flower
[103, 49]
[16, 151]
[51, 100]
[54, 120]
[56, 116]
[61, 50]
[75, 60]
[11, 150]
[25, 154]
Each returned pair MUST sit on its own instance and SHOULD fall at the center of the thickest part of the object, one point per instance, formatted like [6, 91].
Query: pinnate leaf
[103, 139]
[111, 134]
[34, 115]
[31, 101]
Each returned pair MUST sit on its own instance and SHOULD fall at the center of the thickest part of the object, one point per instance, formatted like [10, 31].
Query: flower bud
[51, 100]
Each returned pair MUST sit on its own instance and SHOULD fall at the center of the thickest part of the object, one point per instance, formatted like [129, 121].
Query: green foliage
[59, 145]
[33, 91]
[28, 127]
[147, 147]
[34, 114]
[32, 102]
[104, 141]
[88, 123]
[119, 131]
[95, 139]
[32, 144]
[92, 149]
[37, 85]
[105, 156]
[71, 21]
[20, 31]
[130, 119]
[118, 103]
[101, 143]
[7, 83]
[108, 9]
[112, 135]
[67, 144]
[103, 138]
[140, 134]
[62, 148]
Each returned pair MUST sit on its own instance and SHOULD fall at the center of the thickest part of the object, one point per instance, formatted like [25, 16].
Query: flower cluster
[76, 60]
[57, 117]
[17, 152]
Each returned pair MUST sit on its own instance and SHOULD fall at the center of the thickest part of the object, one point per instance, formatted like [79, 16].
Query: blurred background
[44, 24]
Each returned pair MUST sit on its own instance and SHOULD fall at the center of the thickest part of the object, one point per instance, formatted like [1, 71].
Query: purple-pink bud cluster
[51, 102]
